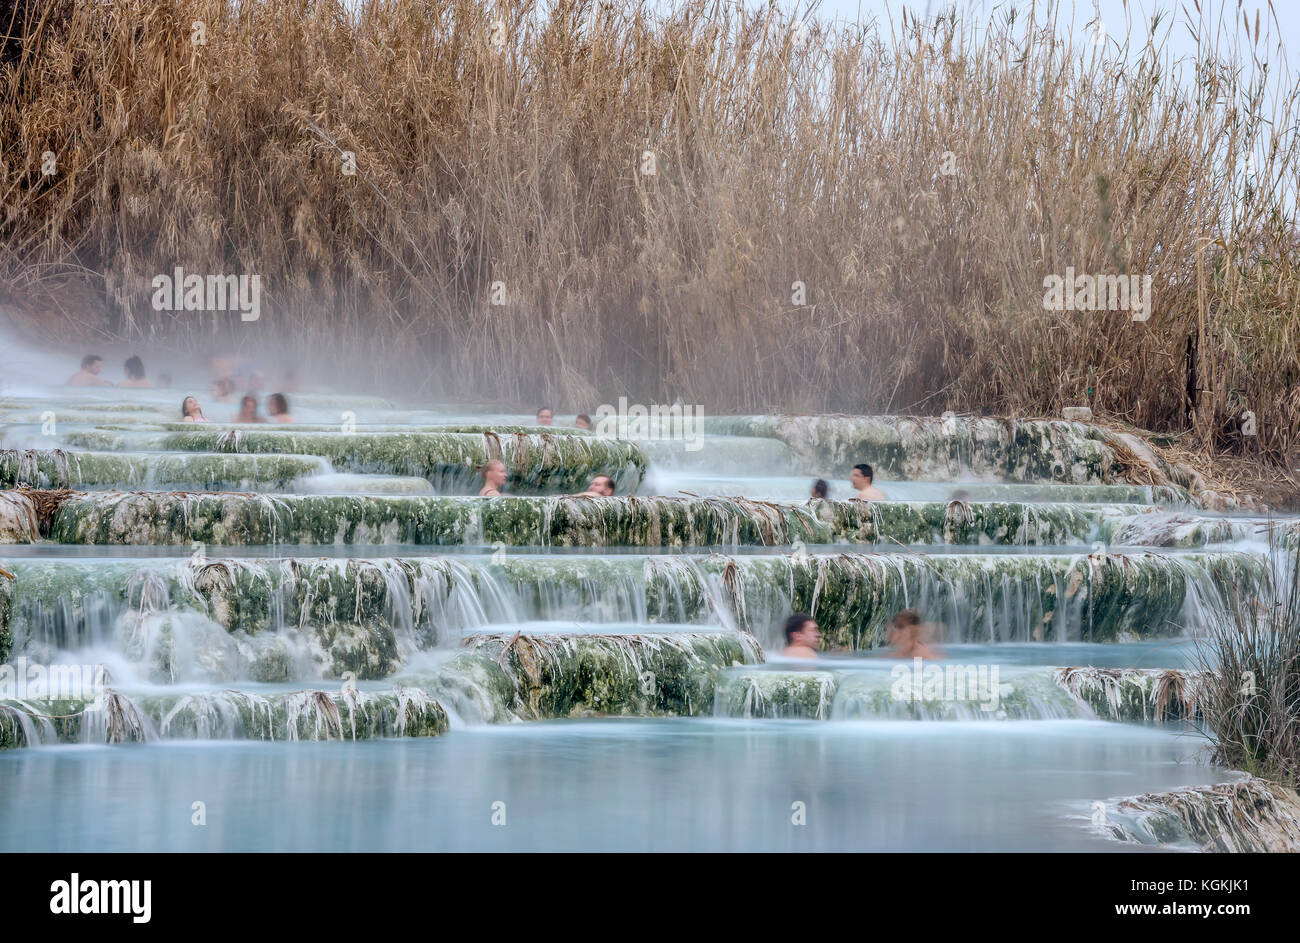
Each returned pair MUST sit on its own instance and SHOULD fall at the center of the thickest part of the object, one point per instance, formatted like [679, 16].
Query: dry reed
[817, 155]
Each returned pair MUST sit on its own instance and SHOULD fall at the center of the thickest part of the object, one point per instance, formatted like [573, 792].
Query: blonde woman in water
[494, 479]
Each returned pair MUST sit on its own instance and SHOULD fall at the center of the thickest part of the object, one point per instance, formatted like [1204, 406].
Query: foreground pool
[605, 785]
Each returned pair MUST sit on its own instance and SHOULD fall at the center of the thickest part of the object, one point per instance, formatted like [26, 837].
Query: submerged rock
[1252, 815]
[19, 523]
[475, 687]
[894, 691]
[1186, 530]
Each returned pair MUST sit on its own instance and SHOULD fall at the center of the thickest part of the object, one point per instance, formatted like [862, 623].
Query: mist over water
[278, 606]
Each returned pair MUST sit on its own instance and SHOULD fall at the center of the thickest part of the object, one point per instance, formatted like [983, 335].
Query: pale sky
[1115, 14]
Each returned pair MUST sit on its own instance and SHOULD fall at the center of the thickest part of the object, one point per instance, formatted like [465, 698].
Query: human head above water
[190, 407]
[583, 421]
[277, 404]
[602, 484]
[820, 488]
[91, 363]
[861, 476]
[134, 367]
[906, 623]
[801, 629]
[545, 416]
[494, 473]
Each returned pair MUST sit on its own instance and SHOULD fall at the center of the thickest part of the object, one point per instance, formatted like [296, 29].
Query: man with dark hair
[602, 486]
[135, 378]
[88, 375]
[545, 416]
[583, 421]
[802, 637]
[860, 478]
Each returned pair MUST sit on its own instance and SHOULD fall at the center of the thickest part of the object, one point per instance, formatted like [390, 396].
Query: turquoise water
[1151, 653]
[1024, 780]
[612, 785]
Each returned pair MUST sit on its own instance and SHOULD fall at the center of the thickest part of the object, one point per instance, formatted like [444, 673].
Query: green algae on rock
[1135, 695]
[537, 464]
[1097, 597]
[562, 521]
[470, 684]
[115, 719]
[568, 674]
[56, 468]
[344, 714]
[372, 613]
[771, 694]
[950, 447]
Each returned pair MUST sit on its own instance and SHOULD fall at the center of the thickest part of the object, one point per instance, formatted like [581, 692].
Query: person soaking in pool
[802, 637]
[88, 375]
[277, 404]
[248, 411]
[494, 479]
[191, 411]
[135, 377]
[907, 636]
[860, 478]
[602, 486]
[545, 416]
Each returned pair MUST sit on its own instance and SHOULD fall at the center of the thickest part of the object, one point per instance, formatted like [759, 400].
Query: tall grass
[815, 155]
[1250, 660]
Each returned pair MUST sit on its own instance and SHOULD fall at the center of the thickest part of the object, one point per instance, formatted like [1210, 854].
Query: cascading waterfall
[313, 583]
[898, 691]
[411, 604]
[156, 519]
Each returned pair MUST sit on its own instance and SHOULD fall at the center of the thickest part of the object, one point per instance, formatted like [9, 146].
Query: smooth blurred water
[615, 785]
[796, 488]
[700, 784]
[1152, 653]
